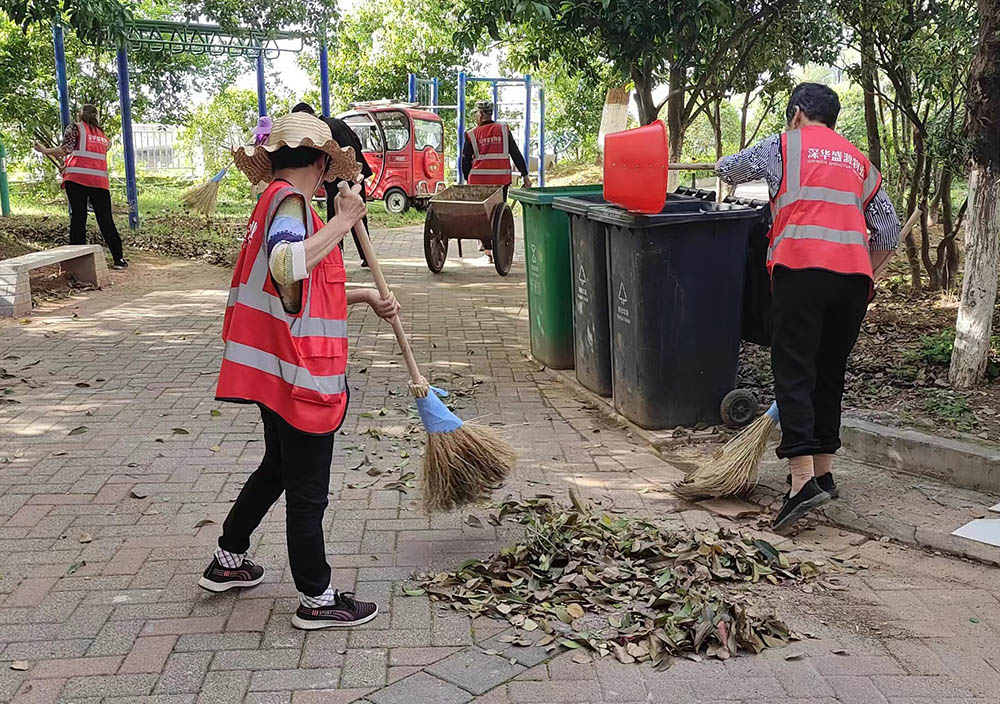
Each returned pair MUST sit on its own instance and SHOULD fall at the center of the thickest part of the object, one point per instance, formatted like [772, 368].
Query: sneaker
[343, 613]
[364, 265]
[120, 264]
[795, 507]
[218, 578]
[825, 482]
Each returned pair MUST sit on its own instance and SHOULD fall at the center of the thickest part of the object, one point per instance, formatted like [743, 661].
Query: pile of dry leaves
[624, 585]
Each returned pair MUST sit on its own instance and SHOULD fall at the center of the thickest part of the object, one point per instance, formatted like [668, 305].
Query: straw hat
[296, 130]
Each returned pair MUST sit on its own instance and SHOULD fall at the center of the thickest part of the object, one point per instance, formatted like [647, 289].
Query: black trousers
[331, 210]
[817, 316]
[299, 465]
[100, 198]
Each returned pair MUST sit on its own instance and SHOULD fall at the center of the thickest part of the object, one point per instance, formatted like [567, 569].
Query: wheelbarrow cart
[465, 212]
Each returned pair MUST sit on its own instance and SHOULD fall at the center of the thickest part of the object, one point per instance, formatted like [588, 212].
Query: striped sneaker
[218, 578]
[342, 613]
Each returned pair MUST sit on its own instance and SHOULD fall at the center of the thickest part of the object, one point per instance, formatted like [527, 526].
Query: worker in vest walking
[85, 178]
[285, 334]
[834, 229]
[488, 150]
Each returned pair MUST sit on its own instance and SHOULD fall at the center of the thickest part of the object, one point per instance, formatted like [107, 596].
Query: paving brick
[329, 696]
[183, 673]
[31, 592]
[126, 561]
[217, 641]
[527, 656]
[278, 680]
[856, 690]
[224, 687]
[149, 654]
[418, 656]
[39, 691]
[364, 668]
[182, 626]
[423, 688]
[285, 658]
[109, 686]
[474, 670]
[324, 649]
[76, 667]
[268, 698]
[250, 615]
[48, 649]
[152, 699]
[555, 692]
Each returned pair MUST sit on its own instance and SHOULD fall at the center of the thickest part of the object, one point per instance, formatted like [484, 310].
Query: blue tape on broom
[218, 176]
[772, 412]
[435, 415]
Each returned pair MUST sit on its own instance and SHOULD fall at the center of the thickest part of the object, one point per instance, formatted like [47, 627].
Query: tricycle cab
[404, 146]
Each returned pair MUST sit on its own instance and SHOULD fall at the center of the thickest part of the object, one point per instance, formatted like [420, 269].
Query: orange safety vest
[490, 154]
[294, 364]
[88, 163]
[819, 211]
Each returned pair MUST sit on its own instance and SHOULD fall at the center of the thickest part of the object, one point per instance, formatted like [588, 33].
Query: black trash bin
[756, 327]
[699, 193]
[591, 317]
[676, 292]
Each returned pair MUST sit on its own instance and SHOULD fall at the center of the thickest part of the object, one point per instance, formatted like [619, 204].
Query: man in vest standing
[834, 230]
[285, 334]
[488, 150]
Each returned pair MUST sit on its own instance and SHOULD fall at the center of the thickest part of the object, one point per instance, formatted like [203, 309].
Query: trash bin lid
[676, 213]
[545, 196]
[579, 205]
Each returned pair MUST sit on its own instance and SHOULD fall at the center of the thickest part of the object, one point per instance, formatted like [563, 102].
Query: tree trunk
[717, 128]
[744, 113]
[675, 119]
[947, 251]
[648, 111]
[614, 116]
[982, 235]
[912, 257]
[868, 78]
[925, 235]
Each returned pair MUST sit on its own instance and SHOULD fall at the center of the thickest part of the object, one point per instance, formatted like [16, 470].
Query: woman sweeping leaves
[834, 228]
[286, 351]
[85, 178]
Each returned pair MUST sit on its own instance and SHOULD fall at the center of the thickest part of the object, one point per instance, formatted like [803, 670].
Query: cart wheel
[396, 201]
[420, 204]
[739, 407]
[435, 244]
[503, 239]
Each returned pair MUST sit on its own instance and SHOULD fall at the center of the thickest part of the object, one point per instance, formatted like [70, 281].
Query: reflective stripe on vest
[490, 167]
[294, 365]
[823, 212]
[85, 165]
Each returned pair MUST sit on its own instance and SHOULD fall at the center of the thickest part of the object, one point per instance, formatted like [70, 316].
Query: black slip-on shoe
[825, 482]
[343, 613]
[795, 507]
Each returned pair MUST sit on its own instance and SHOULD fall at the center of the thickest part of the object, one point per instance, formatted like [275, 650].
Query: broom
[463, 463]
[202, 199]
[733, 469]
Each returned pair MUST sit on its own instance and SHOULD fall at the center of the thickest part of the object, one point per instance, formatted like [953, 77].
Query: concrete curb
[955, 462]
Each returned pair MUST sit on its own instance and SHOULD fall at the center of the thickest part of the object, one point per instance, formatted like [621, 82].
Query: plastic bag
[435, 415]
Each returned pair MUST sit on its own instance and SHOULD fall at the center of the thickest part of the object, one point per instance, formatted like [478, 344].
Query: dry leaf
[86, 538]
[575, 611]
[79, 430]
[582, 658]
[215, 448]
[19, 665]
[137, 494]
[795, 656]
[204, 522]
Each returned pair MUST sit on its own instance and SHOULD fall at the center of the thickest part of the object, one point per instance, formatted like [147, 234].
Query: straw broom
[733, 470]
[202, 199]
[463, 463]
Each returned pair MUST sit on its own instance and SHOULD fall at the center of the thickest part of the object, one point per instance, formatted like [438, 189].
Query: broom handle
[383, 288]
[690, 167]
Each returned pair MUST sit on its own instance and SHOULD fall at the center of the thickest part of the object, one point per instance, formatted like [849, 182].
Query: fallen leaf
[72, 569]
[215, 448]
[414, 591]
[204, 522]
[151, 512]
[795, 656]
[473, 521]
[79, 430]
[575, 611]
[86, 538]
[82, 385]
[840, 651]
[180, 431]
[19, 665]
[582, 658]
[59, 454]
[730, 508]
[529, 625]
[137, 494]
[215, 413]
[973, 620]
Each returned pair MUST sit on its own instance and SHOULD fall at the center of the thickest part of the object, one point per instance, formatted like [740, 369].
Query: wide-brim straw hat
[298, 129]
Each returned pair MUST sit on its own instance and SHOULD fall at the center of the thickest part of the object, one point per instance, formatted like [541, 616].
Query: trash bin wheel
[435, 243]
[739, 408]
[503, 239]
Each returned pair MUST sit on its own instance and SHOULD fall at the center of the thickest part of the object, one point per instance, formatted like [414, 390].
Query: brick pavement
[103, 533]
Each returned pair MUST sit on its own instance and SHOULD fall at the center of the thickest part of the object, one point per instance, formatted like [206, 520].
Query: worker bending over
[834, 229]
[488, 150]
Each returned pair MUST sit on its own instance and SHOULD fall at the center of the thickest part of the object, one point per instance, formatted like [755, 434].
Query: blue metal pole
[541, 137]
[461, 126]
[62, 88]
[324, 79]
[126, 107]
[527, 119]
[261, 90]
[496, 101]
[435, 93]
[411, 88]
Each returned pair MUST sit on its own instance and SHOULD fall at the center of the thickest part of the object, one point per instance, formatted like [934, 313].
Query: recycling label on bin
[534, 270]
[582, 292]
[621, 310]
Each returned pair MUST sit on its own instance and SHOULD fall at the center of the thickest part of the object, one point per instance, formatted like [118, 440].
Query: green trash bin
[550, 280]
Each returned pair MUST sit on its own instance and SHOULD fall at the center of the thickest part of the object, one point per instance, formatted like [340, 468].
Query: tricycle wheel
[739, 407]
[420, 204]
[503, 239]
[435, 244]
[396, 201]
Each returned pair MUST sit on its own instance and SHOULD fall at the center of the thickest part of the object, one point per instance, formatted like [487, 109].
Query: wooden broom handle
[690, 167]
[361, 233]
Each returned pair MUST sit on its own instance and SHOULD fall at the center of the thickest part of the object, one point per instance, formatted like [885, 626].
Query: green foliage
[699, 140]
[93, 20]
[851, 122]
[937, 348]
[952, 410]
[216, 126]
